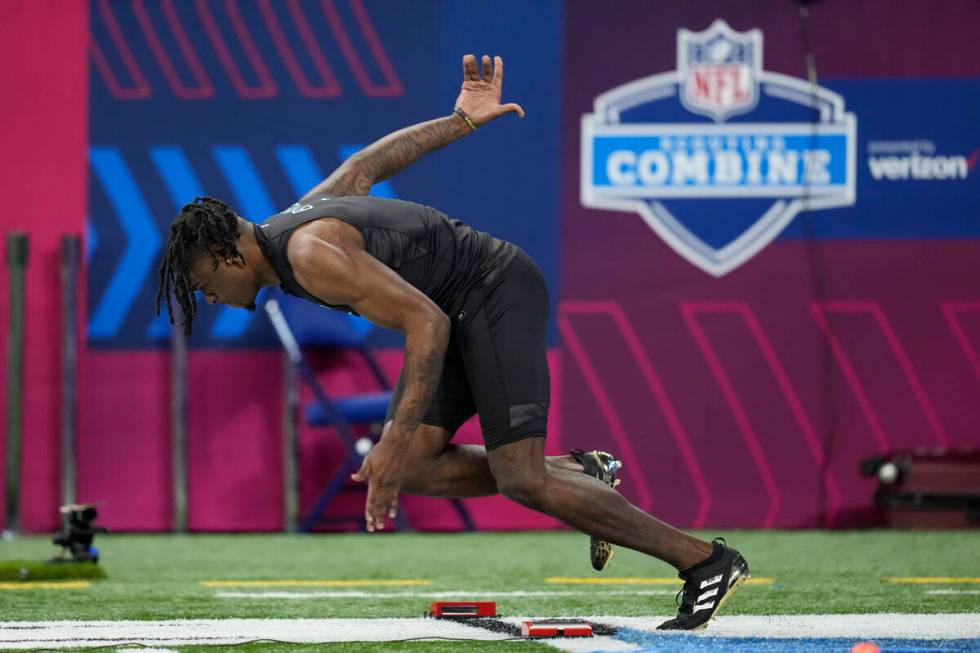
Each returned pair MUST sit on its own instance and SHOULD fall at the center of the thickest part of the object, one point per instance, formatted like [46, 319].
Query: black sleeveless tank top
[442, 258]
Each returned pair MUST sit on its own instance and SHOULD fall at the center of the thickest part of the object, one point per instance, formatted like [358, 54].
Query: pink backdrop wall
[746, 400]
[44, 127]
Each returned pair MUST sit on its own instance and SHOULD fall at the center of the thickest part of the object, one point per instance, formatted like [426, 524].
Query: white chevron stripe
[703, 606]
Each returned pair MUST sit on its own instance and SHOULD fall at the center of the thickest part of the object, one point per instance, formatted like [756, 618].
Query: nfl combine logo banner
[719, 155]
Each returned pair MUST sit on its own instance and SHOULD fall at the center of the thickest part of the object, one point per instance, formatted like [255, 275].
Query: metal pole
[17, 247]
[290, 453]
[178, 420]
[70, 253]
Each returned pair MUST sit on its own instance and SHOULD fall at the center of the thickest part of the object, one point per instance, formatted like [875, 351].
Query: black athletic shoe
[707, 585]
[602, 466]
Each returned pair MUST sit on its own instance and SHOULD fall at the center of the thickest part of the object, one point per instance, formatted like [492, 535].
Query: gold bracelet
[469, 121]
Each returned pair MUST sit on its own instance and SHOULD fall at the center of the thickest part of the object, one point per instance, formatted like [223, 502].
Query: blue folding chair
[300, 323]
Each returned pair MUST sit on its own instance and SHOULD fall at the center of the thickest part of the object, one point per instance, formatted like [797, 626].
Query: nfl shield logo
[718, 193]
[719, 70]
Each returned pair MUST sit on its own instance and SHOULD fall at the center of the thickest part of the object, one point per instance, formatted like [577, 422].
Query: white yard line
[64, 634]
[434, 595]
[951, 592]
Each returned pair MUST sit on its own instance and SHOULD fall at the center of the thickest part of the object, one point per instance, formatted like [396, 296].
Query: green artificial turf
[157, 576]
[32, 570]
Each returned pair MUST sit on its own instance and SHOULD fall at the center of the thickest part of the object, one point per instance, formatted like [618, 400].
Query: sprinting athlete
[474, 312]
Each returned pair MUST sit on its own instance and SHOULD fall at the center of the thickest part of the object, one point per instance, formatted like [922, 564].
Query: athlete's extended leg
[588, 505]
[711, 571]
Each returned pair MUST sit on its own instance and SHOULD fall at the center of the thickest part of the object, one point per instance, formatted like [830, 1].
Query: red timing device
[556, 628]
[460, 609]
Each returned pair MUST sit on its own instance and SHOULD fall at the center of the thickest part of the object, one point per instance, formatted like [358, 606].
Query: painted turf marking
[951, 592]
[594, 580]
[795, 629]
[870, 626]
[316, 583]
[45, 585]
[929, 580]
[434, 595]
[81, 634]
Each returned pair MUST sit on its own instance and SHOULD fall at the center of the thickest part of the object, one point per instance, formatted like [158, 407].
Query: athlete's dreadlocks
[197, 229]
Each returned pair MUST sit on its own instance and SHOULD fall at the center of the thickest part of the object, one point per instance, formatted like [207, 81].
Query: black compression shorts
[496, 363]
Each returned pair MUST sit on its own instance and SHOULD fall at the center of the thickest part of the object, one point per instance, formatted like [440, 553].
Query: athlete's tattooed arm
[329, 261]
[390, 155]
[479, 99]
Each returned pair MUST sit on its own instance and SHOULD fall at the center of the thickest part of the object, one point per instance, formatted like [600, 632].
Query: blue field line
[255, 204]
[688, 643]
[142, 241]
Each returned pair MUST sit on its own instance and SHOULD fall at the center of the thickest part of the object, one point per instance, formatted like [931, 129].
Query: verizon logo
[918, 166]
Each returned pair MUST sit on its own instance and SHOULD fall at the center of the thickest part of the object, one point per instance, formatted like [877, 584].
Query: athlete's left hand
[480, 97]
[383, 468]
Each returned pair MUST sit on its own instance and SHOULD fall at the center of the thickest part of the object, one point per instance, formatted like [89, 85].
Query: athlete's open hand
[383, 468]
[480, 95]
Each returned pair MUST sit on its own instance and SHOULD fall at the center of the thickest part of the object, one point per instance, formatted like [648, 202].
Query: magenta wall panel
[234, 434]
[124, 446]
[726, 398]
[43, 128]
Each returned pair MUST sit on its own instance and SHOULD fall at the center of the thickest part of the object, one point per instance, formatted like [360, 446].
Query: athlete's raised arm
[479, 102]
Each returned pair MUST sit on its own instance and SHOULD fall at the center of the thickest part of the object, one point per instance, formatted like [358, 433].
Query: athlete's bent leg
[588, 505]
[434, 467]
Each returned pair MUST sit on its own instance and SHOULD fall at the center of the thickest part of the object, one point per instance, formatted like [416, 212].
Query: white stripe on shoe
[711, 581]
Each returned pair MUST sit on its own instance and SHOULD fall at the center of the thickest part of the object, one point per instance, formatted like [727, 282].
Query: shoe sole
[731, 590]
[600, 551]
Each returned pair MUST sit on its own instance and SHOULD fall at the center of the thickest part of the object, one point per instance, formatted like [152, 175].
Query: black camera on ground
[77, 533]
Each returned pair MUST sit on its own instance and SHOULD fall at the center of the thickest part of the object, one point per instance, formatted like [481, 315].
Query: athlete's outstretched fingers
[516, 108]
[374, 515]
[498, 71]
[487, 68]
[470, 71]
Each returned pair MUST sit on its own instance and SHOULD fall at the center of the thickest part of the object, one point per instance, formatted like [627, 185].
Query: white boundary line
[65, 634]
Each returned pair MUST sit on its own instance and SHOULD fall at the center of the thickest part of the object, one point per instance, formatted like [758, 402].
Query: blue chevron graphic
[300, 167]
[254, 204]
[143, 241]
[91, 239]
[184, 186]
